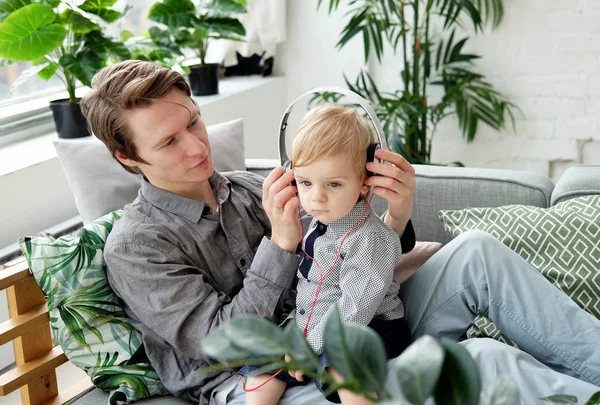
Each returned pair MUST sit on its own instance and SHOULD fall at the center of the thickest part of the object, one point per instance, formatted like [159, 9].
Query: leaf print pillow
[86, 316]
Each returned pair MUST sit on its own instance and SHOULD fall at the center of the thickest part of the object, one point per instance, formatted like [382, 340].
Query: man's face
[329, 188]
[173, 143]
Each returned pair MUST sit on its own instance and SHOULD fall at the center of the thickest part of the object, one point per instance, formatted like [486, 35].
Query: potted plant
[61, 37]
[428, 58]
[193, 26]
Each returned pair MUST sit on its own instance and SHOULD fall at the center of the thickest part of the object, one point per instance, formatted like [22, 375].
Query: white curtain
[265, 28]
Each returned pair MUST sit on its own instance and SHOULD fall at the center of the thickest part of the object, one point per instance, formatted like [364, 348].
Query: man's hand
[281, 205]
[396, 184]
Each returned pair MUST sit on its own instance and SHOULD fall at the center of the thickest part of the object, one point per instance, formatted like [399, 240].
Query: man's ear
[125, 160]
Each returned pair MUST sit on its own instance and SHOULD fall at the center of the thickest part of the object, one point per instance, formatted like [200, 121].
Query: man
[198, 247]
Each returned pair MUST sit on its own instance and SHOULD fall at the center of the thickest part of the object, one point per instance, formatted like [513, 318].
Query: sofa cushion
[99, 183]
[561, 242]
[86, 317]
[454, 188]
[575, 182]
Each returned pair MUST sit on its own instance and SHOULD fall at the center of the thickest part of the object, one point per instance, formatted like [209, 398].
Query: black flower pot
[68, 119]
[204, 79]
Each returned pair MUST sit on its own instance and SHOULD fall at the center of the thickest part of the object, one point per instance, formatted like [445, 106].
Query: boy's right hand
[281, 205]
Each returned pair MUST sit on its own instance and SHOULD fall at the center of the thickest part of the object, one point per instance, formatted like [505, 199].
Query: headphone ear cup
[371, 156]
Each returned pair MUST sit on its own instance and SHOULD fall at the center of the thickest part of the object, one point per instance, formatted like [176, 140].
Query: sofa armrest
[439, 187]
[577, 181]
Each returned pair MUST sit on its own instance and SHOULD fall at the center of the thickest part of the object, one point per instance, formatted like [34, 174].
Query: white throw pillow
[99, 183]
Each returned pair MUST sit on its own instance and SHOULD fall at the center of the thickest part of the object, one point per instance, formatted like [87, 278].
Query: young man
[349, 253]
[196, 248]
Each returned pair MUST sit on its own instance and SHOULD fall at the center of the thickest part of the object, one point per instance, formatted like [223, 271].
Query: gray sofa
[452, 188]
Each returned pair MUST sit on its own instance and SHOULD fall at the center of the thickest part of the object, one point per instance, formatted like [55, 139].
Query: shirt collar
[188, 208]
[342, 226]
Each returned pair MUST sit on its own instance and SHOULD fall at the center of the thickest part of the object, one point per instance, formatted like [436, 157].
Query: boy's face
[173, 142]
[329, 188]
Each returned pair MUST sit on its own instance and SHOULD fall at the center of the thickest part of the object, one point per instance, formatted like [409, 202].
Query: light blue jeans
[475, 274]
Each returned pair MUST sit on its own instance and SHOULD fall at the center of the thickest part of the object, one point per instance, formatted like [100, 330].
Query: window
[34, 88]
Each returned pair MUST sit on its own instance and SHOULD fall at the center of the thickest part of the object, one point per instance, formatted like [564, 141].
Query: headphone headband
[364, 104]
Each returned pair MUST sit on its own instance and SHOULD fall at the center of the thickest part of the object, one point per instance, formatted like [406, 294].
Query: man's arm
[396, 183]
[178, 301]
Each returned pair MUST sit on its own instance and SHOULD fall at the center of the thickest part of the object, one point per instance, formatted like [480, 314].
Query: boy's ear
[364, 189]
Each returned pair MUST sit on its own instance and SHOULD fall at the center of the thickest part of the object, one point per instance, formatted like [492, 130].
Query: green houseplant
[64, 38]
[193, 26]
[441, 370]
[423, 36]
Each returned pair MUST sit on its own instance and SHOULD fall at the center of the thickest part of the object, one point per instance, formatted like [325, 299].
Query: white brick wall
[546, 58]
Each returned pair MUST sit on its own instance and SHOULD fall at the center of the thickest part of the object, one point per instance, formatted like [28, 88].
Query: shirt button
[321, 227]
[301, 312]
[243, 262]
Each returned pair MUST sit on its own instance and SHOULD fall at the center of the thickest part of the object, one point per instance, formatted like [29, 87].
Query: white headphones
[364, 104]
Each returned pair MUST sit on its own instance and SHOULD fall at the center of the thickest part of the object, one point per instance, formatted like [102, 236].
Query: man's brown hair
[120, 87]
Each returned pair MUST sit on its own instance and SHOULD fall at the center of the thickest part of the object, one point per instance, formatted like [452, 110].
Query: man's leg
[476, 274]
[534, 379]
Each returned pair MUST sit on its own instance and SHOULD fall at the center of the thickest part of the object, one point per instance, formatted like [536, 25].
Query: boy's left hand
[298, 375]
[396, 184]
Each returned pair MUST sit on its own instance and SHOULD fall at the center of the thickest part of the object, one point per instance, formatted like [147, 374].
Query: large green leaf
[219, 346]
[459, 383]
[165, 42]
[227, 7]
[83, 67]
[594, 399]
[172, 13]
[8, 6]
[258, 335]
[356, 353]
[29, 33]
[79, 24]
[561, 399]
[97, 43]
[101, 8]
[300, 350]
[418, 369]
[221, 26]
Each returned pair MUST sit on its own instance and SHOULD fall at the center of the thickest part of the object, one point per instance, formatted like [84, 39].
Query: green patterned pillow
[86, 316]
[561, 242]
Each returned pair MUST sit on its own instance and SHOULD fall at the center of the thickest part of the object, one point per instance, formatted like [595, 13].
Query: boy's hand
[298, 375]
[281, 205]
[396, 184]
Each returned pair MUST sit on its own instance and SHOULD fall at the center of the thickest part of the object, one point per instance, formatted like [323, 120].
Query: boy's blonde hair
[331, 130]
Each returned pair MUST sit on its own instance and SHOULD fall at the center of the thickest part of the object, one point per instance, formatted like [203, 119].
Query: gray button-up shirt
[182, 270]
